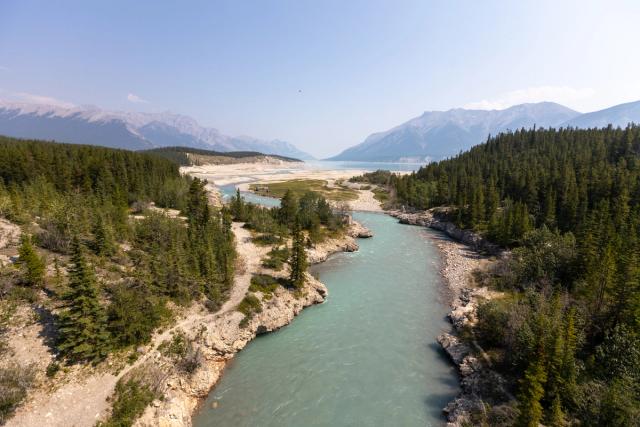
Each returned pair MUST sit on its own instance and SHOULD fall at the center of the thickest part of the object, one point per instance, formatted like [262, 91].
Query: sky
[323, 74]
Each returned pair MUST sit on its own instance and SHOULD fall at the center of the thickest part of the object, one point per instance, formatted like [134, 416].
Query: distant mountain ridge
[618, 116]
[439, 134]
[128, 130]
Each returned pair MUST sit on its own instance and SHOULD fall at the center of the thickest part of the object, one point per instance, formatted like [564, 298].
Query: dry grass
[300, 186]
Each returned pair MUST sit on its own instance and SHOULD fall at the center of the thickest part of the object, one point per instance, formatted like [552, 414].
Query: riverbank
[216, 340]
[463, 254]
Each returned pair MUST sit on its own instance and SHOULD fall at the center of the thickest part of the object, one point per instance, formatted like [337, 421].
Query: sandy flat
[244, 174]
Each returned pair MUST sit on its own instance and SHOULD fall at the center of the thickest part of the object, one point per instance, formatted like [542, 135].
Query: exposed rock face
[215, 343]
[359, 231]
[329, 246]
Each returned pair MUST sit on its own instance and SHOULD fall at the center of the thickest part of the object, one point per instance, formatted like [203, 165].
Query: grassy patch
[381, 195]
[301, 186]
[276, 258]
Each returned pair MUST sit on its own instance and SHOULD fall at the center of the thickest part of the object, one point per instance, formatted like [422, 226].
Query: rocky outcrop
[435, 219]
[214, 343]
[346, 243]
[359, 231]
[478, 381]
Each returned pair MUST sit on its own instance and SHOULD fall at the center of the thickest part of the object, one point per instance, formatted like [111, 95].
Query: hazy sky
[320, 74]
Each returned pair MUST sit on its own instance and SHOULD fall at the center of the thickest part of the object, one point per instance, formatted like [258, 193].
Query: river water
[366, 357]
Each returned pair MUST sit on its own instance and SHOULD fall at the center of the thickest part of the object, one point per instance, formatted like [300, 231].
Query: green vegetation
[311, 210]
[31, 264]
[83, 323]
[116, 293]
[567, 202]
[131, 398]
[298, 258]
[276, 258]
[381, 195]
[15, 380]
[301, 186]
[264, 283]
[249, 306]
[176, 348]
[267, 240]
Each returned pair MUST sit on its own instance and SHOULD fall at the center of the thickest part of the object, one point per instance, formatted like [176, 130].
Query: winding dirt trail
[81, 402]
[251, 256]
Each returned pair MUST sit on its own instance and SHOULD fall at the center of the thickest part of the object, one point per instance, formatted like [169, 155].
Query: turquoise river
[366, 357]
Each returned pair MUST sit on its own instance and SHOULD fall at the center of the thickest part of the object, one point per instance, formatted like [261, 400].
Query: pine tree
[238, 207]
[82, 324]
[531, 393]
[568, 370]
[102, 238]
[298, 260]
[556, 417]
[288, 208]
[32, 265]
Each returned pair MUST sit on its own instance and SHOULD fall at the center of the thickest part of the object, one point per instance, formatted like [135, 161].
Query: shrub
[15, 380]
[52, 369]
[131, 398]
[264, 283]
[176, 348]
[276, 258]
[492, 322]
[267, 240]
[249, 306]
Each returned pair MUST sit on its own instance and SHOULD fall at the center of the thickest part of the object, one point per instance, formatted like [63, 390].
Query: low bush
[249, 306]
[131, 398]
[15, 380]
[276, 258]
[267, 240]
[264, 283]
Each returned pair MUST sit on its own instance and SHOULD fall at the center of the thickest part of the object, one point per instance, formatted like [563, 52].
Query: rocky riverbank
[215, 341]
[463, 252]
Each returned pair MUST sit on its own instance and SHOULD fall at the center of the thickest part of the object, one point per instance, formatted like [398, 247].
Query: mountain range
[128, 130]
[439, 134]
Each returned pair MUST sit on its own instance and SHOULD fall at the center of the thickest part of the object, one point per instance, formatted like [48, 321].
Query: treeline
[568, 202]
[180, 155]
[307, 220]
[92, 212]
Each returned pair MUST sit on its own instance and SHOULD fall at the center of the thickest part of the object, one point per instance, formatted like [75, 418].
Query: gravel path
[250, 256]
